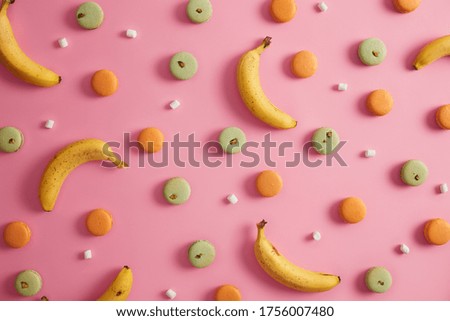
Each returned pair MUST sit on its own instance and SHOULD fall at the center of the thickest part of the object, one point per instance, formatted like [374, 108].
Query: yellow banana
[432, 51]
[287, 273]
[120, 288]
[66, 160]
[252, 93]
[16, 61]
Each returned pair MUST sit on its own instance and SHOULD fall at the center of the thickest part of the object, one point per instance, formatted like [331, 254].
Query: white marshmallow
[322, 6]
[370, 153]
[175, 104]
[49, 124]
[443, 188]
[404, 248]
[232, 199]
[87, 254]
[131, 33]
[63, 43]
[171, 294]
[316, 235]
[342, 86]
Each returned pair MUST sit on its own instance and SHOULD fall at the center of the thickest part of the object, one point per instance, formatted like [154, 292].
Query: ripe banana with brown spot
[66, 160]
[15, 60]
[120, 287]
[432, 51]
[252, 93]
[287, 273]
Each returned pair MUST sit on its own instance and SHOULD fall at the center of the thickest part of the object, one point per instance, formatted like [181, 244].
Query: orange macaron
[379, 102]
[99, 222]
[17, 234]
[352, 209]
[443, 117]
[227, 292]
[304, 64]
[151, 139]
[104, 82]
[269, 183]
[437, 231]
[283, 10]
[405, 6]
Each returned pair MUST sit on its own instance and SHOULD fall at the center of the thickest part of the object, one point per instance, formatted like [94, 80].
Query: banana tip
[261, 224]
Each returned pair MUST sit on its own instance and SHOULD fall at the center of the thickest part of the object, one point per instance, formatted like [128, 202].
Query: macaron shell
[379, 102]
[325, 140]
[227, 292]
[151, 139]
[232, 139]
[414, 172]
[283, 10]
[269, 183]
[352, 209]
[183, 65]
[437, 231]
[177, 190]
[104, 82]
[443, 117]
[17, 234]
[372, 51]
[201, 254]
[406, 6]
[199, 11]
[90, 15]
[28, 283]
[378, 279]
[304, 64]
[11, 139]
[99, 222]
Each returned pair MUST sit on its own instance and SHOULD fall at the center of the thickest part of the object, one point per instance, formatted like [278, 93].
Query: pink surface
[151, 236]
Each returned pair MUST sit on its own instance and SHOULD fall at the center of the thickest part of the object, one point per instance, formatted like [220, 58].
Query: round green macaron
[177, 190]
[28, 282]
[232, 139]
[372, 51]
[325, 140]
[378, 279]
[183, 65]
[90, 15]
[199, 11]
[201, 253]
[11, 139]
[414, 172]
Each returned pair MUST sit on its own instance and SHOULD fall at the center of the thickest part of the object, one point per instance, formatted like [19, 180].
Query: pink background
[151, 236]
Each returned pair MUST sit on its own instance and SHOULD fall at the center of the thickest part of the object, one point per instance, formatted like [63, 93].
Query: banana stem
[261, 225]
[265, 43]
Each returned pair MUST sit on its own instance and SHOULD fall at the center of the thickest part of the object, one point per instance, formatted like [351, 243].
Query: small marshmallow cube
[87, 254]
[131, 33]
[171, 294]
[175, 104]
[63, 43]
[323, 6]
[370, 153]
[316, 235]
[232, 199]
[49, 124]
[342, 86]
[443, 188]
[404, 248]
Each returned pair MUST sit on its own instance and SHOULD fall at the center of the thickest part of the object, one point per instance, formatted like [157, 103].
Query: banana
[16, 61]
[252, 93]
[66, 160]
[120, 288]
[287, 273]
[432, 51]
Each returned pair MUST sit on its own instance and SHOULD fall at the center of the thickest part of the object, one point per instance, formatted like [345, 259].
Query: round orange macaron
[269, 183]
[104, 82]
[379, 102]
[17, 234]
[227, 292]
[151, 139]
[304, 64]
[99, 222]
[437, 231]
[405, 6]
[352, 209]
[283, 10]
[443, 117]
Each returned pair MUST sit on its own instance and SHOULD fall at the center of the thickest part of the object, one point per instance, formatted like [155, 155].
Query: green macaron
[414, 172]
[378, 279]
[177, 190]
[90, 15]
[201, 253]
[232, 139]
[11, 139]
[28, 282]
[325, 140]
[372, 51]
[183, 65]
[199, 11]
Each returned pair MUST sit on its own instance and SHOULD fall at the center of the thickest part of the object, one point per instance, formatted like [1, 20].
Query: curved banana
[66, 160]
[252, 93]
[16, 61]
[287, 273]
[120, 288]
[432, 51]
